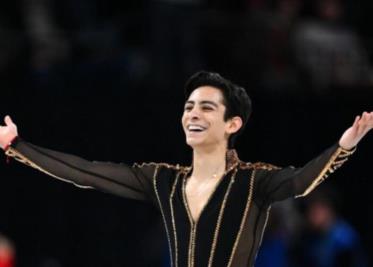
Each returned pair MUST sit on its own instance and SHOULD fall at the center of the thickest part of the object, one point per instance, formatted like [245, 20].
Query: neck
[209, 163]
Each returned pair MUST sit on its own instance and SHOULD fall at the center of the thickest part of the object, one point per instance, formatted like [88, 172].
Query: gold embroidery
[246, 165]
[173, 217]
[11, 152]
[264, 227]
[193, 224]
[162, 212]
[194, 236]
[340, 162]
[221, 213]
[191, 235]
[336, 161]
[258, 166]
[345, 152]
[247, 208]
[265, 166]
[231, 159]
[169, 166]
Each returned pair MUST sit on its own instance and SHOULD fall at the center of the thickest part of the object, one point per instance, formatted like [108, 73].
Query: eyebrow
[203, 102]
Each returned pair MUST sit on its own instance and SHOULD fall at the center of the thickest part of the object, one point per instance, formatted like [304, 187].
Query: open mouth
[195, 128]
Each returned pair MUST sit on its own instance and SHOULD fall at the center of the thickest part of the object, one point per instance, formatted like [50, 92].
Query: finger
[8, 121]
[370, 122]
[362, 125]
[355, 124]
[364, 119]
[369, 119]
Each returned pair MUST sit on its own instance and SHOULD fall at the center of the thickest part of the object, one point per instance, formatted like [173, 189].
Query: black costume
[231, 225]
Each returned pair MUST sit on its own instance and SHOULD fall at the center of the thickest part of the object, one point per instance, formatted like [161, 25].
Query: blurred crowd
[312, 234]
[269, 44]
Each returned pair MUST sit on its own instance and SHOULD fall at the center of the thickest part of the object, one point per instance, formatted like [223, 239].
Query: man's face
[203, 118]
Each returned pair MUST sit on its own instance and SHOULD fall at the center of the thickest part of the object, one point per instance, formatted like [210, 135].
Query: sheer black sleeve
[119, 179]
[276, 184]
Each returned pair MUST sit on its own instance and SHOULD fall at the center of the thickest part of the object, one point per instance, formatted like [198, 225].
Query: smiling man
[215, 211]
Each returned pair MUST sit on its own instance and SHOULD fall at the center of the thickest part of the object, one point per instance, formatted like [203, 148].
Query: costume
[231, 225]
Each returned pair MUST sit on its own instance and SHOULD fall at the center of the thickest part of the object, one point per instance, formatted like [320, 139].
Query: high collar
[232, 159]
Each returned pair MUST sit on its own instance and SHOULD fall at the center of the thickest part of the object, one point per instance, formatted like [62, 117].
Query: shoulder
[265, 166]
[258, 166]
[162, 165]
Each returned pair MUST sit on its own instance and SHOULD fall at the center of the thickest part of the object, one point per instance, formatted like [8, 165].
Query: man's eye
[188, 108]
[207, 108]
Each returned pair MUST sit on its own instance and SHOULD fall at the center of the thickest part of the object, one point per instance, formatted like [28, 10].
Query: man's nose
[194, 114]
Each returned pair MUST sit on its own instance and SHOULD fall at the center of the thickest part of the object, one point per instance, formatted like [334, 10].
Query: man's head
[216, 104]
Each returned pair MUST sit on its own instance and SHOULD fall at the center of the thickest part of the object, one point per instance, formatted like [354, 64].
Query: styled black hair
[235, 98]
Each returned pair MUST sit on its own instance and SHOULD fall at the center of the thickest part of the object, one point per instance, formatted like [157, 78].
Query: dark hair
[235, 98]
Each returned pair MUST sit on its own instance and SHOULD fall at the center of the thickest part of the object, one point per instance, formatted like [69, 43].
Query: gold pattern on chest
[198, 194]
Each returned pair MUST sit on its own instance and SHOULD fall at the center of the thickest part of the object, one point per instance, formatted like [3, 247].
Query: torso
[198, 194]
[216, 224]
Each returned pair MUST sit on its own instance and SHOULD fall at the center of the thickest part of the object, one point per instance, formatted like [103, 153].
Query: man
[215, 211]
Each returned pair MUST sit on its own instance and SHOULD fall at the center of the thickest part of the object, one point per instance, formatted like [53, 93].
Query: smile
[195, 128]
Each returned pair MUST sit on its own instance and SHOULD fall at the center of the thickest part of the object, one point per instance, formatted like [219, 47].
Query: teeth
[195, 128]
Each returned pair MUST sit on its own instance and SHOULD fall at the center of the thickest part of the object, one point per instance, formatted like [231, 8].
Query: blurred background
[104, 80]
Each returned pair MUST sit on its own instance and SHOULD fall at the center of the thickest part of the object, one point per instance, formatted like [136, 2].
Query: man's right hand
[7, 132]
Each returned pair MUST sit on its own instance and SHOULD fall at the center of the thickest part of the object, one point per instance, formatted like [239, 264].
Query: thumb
[8, 121]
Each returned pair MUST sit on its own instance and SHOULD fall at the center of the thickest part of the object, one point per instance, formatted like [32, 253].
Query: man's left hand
[361, 126]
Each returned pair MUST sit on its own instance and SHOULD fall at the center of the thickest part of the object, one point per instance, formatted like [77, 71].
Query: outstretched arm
[119, 179]
[279, 184]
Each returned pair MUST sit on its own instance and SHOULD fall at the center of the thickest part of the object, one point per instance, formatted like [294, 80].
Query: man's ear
[234, 125]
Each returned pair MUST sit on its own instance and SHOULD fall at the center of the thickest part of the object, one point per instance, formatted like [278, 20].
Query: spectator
[283, 227]
[330, 241]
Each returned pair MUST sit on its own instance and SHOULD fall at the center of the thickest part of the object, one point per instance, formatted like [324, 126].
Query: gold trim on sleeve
[346, 152]
[11, 152]
[339, 157]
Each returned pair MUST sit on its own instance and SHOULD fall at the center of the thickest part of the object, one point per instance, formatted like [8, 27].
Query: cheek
[183, 119]
[219, 127]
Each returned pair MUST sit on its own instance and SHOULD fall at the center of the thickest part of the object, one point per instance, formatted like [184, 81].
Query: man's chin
[194, 143]
[197, 144]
